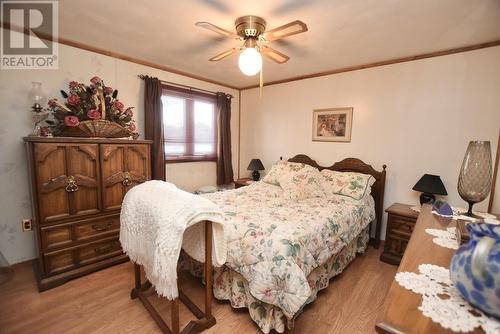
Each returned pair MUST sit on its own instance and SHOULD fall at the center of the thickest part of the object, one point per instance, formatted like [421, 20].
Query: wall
[79, 65]
[416, 117]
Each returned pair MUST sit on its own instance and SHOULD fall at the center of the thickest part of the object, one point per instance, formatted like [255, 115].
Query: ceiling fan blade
[223, 54]
[216, 29]
[289, 29]
[277, 56]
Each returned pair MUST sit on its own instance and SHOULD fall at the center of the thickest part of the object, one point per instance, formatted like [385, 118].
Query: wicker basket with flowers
[91, 111]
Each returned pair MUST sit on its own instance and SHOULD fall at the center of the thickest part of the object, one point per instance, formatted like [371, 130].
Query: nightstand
[401, 220]
[242, 182]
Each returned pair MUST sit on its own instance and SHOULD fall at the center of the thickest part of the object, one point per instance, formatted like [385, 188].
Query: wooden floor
[100, 303]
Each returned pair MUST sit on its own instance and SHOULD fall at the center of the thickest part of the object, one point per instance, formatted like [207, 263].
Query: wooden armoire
[77, 187]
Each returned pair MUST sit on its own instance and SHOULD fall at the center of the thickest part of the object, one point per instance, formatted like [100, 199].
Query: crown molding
[381, 63]
[83, 46]
[113, 54]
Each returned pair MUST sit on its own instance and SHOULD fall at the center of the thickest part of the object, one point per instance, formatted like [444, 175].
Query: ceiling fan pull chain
[261, 84]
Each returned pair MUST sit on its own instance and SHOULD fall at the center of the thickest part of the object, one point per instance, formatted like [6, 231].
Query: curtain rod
[142, 76]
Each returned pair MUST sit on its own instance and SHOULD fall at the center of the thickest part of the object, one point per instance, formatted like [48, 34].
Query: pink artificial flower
[71, 121]
[73, 99]
[73, 85]
[52, 103]
[129, 112]
[118, 105]
[132, 127]
[94, 114]
[108, 90]
[96, 80]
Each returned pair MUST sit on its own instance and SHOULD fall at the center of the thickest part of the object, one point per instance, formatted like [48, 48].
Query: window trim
[192, 95]
[201, 158]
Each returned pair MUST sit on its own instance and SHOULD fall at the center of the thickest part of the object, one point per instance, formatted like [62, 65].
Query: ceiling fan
[251, 30]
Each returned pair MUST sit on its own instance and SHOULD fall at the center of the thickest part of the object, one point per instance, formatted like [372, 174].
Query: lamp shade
[430, 184]
[255, 164]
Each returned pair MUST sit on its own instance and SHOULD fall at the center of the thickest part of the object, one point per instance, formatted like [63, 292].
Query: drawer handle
[71, 186]
[102, 227]
[126, 179]
[104, 249]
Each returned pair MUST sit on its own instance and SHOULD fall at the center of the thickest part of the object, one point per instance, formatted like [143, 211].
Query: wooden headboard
[356, 165]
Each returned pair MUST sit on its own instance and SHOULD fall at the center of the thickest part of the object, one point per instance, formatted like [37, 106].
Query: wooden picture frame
[332, 124]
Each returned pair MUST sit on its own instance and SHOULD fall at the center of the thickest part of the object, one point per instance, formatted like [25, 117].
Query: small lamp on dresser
[38, 114]
[255, 166]
[429, 185]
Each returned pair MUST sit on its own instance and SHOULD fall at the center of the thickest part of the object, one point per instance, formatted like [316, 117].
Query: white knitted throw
[157, 219]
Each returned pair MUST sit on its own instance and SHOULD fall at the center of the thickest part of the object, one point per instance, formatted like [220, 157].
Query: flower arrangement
[88, 108]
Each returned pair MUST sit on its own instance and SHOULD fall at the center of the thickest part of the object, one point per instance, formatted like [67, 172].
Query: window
[189, 125]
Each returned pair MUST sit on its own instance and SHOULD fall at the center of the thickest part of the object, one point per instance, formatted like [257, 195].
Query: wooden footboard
[205, 318]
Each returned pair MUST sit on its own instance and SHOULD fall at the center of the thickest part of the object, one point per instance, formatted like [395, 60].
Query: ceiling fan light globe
[250, 61]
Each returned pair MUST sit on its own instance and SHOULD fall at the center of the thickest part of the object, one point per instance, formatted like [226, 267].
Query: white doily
[459, 213]
[442, 303]
[492, 221]
[444, 238]
[462, 211]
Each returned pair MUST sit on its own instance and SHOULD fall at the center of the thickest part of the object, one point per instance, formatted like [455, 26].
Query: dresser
[400, 223]
[401, 314]
[77, 187]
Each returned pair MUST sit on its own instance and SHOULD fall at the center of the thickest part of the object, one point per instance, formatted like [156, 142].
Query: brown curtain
[224, 158]
[153, 124]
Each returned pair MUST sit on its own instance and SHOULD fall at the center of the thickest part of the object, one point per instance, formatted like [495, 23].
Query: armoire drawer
[98, 227]
[57, 236]
[65, 259]
[67, 234]
[98, 251]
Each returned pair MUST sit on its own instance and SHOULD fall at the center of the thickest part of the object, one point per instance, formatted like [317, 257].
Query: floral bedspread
[275, 243]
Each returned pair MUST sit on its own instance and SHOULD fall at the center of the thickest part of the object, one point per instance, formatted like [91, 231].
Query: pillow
[305, 183]
[350, 184]
[284, 167]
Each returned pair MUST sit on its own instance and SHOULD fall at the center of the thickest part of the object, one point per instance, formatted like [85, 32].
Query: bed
[282, 252]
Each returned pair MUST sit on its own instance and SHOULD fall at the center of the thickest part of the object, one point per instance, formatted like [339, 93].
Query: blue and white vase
[475, 268]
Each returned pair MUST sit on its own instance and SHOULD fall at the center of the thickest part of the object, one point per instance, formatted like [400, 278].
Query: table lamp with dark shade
[429, 185]
[255, 165]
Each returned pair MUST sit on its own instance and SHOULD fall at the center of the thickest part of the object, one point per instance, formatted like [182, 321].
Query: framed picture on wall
[333, 124]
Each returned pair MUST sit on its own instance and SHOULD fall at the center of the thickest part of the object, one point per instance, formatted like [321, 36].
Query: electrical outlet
[27, 225]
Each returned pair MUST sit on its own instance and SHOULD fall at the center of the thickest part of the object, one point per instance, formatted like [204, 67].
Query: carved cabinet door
[68, 180]
[123, 166]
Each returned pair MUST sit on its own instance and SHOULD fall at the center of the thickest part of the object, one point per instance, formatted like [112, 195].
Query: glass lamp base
[36, 131]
